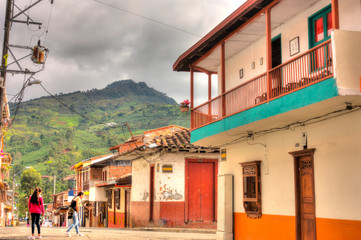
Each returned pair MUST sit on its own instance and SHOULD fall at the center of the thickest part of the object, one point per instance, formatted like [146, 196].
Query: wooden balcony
[306, 69]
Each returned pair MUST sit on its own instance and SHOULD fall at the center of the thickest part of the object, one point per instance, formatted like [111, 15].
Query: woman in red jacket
[36, 207]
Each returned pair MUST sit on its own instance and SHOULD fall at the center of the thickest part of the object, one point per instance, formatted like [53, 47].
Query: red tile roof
[170, 138]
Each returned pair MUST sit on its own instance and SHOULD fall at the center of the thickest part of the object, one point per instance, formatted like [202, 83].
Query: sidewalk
[56, 233]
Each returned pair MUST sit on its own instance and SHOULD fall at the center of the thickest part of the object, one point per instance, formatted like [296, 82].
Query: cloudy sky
[93, 43]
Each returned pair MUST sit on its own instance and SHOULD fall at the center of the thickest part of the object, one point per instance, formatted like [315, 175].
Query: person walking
[73, 212]
[36, 207]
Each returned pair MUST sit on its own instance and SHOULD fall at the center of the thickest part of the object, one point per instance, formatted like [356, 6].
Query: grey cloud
[92, 45]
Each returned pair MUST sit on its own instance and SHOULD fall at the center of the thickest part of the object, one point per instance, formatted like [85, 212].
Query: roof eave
[220, 32]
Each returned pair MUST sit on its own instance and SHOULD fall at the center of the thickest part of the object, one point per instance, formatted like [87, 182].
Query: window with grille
[252, 188]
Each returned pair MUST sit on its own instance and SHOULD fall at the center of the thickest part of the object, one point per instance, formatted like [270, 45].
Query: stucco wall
[170, 186]
[337, 163]
[97, 194]
[347, 55]
[350, 15]
[140, 180]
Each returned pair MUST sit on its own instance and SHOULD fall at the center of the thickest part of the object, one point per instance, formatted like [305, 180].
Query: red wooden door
[201, 192]
[307, 198]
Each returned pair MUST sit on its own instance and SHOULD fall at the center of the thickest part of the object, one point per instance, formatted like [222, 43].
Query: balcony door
[276, 51]
[320, 26]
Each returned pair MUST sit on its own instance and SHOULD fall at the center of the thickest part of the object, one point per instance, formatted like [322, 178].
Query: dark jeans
[35, 218]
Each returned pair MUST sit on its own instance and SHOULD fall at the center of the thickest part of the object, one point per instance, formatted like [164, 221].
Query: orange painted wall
[267, 227]
[119, 220]
[337, 229]
[283, 228]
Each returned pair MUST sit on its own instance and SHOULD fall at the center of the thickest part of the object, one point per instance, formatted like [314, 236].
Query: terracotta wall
[166, 214]
[118, 171]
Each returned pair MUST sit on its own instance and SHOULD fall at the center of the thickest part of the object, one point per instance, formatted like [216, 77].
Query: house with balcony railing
[286, 115]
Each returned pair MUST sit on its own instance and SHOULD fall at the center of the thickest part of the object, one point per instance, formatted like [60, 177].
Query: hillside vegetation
[50, 137]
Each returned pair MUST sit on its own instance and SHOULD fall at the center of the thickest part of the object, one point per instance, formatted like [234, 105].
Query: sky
[93, 43]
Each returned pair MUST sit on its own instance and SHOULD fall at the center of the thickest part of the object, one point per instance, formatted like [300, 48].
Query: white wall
[295, 27]
[350, 15]
[337, 165]
[170, 186]
[347, 55]
[97, 194]
[140, 180]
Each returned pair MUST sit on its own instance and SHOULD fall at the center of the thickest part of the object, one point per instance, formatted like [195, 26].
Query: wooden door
[305, 195]
[127, 209]
[151, 195]
[201, 192]
[114, 207]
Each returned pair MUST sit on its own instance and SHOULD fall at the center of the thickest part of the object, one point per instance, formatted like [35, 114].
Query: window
[320, 26]
[104, 176]
[110, 198]
[117, 198]
[252, 188]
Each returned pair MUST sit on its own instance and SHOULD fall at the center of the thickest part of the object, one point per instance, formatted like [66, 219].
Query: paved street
[22, 232]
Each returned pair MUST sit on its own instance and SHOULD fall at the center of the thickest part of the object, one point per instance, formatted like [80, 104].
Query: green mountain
[51, 134]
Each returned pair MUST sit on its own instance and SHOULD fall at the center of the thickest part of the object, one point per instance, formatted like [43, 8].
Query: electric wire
[48, 24]
[137, 151]
[146, 18]
[65, 105]
[309, 121]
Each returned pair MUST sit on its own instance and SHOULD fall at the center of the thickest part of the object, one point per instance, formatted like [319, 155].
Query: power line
[146, 18]
[320, 118]
[65, 105]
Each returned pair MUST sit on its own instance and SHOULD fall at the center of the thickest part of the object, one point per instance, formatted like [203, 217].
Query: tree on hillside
[30, 179]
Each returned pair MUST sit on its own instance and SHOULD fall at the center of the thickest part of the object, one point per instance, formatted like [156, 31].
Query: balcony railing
[308, 68]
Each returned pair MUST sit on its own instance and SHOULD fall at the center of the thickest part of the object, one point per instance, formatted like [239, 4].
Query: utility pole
[54, 184]
[7, 25]
[11, 17]
[13, 200]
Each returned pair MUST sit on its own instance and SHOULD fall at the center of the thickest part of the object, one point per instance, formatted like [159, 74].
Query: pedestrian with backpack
[36, 208]
[73, 214]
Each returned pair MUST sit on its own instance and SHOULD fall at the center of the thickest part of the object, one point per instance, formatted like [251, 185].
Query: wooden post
[335, 16]
[192, 96]
[268, 53]
[209, 86]
[209, 96]
[223, 80]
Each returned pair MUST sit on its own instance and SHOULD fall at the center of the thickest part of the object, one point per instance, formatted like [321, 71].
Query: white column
[225, 207]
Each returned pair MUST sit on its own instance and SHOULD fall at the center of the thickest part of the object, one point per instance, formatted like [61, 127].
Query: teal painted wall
[315, 93]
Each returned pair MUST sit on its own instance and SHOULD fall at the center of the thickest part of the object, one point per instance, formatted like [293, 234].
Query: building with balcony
[286, 117]
[105, 181]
